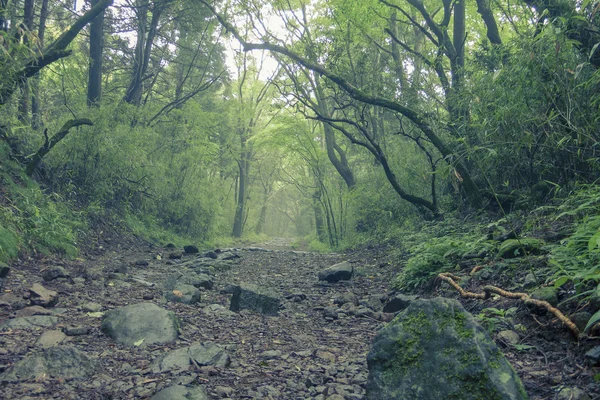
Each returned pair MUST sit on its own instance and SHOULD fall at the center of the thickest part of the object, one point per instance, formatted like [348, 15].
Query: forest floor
[303, 353]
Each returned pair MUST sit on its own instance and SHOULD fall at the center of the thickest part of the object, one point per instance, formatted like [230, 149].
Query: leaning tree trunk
[94, 91]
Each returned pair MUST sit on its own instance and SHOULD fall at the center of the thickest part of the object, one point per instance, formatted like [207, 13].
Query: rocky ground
[315, 348]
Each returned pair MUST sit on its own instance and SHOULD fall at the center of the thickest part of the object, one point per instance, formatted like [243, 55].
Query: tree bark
[24, 101]
[50, 143]
[36, 116]
[484, 9]
[94, 92]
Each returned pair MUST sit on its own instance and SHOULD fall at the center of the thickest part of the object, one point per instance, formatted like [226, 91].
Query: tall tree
[94, 89]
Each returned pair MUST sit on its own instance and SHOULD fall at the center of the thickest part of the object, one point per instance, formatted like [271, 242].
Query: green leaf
[561, 281]
[594, 242]
[595, 318]
[139, 342]
[522, 347]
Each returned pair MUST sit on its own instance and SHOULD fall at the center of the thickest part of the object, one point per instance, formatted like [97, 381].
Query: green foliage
[438, 254]
[33, 220]
[493, 318]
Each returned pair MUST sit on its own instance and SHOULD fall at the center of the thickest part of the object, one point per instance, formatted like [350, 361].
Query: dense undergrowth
[558, 244]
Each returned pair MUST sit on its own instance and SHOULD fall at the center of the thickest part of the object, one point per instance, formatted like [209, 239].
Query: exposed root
[488, 290]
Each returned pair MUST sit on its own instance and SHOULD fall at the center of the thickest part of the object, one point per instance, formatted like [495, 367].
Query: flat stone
[90, 306]
[338, 272]
[206, 354]
[224, 391]
[36, 321]
[63, 362]
[141, 324]
[259, 299]
[40, 296]
[580, 319]
[33, 310]
[12, 301]
[593, 355]
[50, 339]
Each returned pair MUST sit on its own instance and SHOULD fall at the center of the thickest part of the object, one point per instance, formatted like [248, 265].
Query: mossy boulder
[513, 248]
[436, 350]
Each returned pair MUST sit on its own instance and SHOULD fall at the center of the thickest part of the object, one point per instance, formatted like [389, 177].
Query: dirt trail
[311, 350]
[298, 354]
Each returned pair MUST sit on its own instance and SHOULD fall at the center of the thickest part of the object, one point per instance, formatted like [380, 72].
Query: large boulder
[141, 324]
[57, 363]
[198, 354]
[251, 297]
[436, 350]
[339, 272]
[513, 248]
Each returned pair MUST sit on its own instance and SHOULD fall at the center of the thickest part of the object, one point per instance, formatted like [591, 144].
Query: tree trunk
[238, 221]
[24, 101]
[143, 50]
[36, 116]
[94, 91]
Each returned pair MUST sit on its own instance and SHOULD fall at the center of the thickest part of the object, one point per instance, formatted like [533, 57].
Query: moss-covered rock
[548, 294]
[436, 350]
[519, 247]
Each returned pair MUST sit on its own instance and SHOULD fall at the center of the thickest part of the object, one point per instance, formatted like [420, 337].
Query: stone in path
[398, 303]
[339, 272]
[183, 293]
[40, 296]
[36, 321]
[179, 392]
[206, 354]
[141, 324]
[33, 310]
[436, 350]
[56, 363]
[191, 249]
[50, 339]
[254, 298]
[55, 272]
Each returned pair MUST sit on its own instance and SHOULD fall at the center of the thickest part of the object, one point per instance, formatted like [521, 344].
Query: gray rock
[55, 272]
[593, 355]
[580, 319]
[40, 296]
[4, 270]
[549, 294]
[530, 281]
[509, 336]
[144, 321]
[339, 272]
[90, 306]
[141, 263]
[224, 391]
[198, 280]
[191, 249]
[573, 393]
[202, 354]
[179, 392]
[347, 297]
[251, 297]
[182, 293]
[11, 301]
[218, 309]
[50, 339]
[76, 330]
[36, 321]
[512, 248]
[436, 350]
[63, 362]
[33, 310]
[398, 303]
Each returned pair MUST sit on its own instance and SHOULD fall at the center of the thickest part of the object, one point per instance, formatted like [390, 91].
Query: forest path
[307, 351]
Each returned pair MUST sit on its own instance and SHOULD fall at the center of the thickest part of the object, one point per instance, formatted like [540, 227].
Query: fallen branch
[488, 290]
